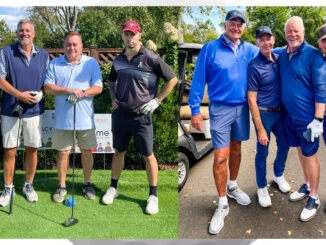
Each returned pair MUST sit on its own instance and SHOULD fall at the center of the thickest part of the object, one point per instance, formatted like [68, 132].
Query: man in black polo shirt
[264, 97]
[133, 84]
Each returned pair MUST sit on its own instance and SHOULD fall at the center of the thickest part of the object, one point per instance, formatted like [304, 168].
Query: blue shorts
[228, 122]
[294, 133]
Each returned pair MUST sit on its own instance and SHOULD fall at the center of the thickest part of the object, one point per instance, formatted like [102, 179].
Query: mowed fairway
[125, 218]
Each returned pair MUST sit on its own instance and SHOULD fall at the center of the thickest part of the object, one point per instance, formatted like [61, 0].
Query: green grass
[125, 218]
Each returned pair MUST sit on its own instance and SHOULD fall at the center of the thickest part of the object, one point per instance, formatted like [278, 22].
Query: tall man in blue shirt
[222, 65]
[22, 73]
[77, 78]
[264, 98]
[303, 90]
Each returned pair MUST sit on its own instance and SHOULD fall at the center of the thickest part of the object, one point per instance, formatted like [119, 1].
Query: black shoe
[89, 191]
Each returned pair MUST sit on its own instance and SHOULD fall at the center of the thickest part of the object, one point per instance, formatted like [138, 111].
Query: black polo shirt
[138, 79]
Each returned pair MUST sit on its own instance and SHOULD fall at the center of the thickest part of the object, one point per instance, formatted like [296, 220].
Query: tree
[275, 18]
[6, 36]
[59, 19]
[110, 19]
[200, 33]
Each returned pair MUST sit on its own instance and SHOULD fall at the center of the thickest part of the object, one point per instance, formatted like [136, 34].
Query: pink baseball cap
[132, 26]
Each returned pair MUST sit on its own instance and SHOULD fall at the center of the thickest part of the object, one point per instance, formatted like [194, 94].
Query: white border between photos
[163, 3]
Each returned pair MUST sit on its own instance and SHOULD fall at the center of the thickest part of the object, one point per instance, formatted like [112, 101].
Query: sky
[12, 14]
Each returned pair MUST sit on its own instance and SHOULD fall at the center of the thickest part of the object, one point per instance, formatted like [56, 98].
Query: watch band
[319, 119]
[84, 93]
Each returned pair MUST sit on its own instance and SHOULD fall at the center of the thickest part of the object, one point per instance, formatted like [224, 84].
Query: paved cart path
[198, 197]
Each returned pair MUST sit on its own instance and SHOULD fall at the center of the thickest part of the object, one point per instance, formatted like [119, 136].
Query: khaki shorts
[63, 139]
[32, 131]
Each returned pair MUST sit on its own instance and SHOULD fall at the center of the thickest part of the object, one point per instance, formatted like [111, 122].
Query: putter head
[70, 222]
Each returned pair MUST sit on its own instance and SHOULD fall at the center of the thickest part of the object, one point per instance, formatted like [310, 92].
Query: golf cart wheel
[183, 169]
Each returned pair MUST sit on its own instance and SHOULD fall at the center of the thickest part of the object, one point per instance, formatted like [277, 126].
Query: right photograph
[251, 128]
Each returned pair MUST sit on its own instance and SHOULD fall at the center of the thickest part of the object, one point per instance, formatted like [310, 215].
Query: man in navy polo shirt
[22, 73]
[264, 98]
[133, 84]
[303, 91]
[222, 65]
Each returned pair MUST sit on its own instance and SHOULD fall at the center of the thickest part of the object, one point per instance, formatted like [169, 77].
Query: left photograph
[89, 104]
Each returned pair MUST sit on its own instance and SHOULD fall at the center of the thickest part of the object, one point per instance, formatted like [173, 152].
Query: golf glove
[72, 99]
[150, 106]
[37, 95]
[316, 129]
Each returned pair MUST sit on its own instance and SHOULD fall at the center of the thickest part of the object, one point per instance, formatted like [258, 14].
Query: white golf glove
[150, 106]
[316, 129]
[37, 95]
[72, 99]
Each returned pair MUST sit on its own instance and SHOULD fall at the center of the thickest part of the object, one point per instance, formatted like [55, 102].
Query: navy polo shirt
[263, 77]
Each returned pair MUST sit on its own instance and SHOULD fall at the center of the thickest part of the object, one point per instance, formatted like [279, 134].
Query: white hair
[24, 21]
[296, 19]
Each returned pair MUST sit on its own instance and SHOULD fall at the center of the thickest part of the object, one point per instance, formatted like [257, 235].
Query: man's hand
[316, 129]
[150, 106]
[262, 137]
[27, 98]
[197, 121]
[72, 99]
[77, 92]
[115, 104]
[37, 95]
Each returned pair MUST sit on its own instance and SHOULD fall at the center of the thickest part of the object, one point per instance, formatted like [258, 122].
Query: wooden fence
[102, 55]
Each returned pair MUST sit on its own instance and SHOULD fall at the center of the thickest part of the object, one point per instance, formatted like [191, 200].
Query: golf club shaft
[13, 178]
[73, 162]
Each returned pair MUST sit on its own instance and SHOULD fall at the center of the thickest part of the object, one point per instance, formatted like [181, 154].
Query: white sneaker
[109, 196]
[5, 197]
[241, 197]
[282, 184]
[152, 205]
[217, 221]
[263, 197]
[29, 192]
[310, 209]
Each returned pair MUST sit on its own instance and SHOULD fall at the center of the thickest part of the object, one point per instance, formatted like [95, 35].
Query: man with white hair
[303, 78]
[22, 73]
[222, 65]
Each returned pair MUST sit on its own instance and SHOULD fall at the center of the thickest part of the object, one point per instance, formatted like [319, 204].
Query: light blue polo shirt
[85, 74]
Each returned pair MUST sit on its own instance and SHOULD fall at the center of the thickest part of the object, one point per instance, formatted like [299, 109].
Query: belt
[270, 109]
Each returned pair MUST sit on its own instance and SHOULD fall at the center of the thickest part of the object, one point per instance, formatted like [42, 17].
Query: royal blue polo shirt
[263, 77]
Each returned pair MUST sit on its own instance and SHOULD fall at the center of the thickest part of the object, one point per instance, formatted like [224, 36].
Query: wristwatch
[84, 93]
[319, 119]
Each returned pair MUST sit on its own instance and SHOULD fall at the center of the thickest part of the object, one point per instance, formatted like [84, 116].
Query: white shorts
[32, 131]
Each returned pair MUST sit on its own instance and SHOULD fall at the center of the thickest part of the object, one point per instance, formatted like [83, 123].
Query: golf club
[72, 221]
[17, 111]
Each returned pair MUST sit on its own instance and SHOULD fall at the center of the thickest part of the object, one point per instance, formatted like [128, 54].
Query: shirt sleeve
[50, 76]
[199, 80]
[96, 74]
[3, 65]
[318, 72]
[252, 78]
[112, 77]
[163, 70]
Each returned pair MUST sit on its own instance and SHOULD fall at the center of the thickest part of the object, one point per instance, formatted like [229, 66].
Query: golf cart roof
[190, 45]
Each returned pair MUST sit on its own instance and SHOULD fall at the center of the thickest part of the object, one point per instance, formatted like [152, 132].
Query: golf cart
[192, 144]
